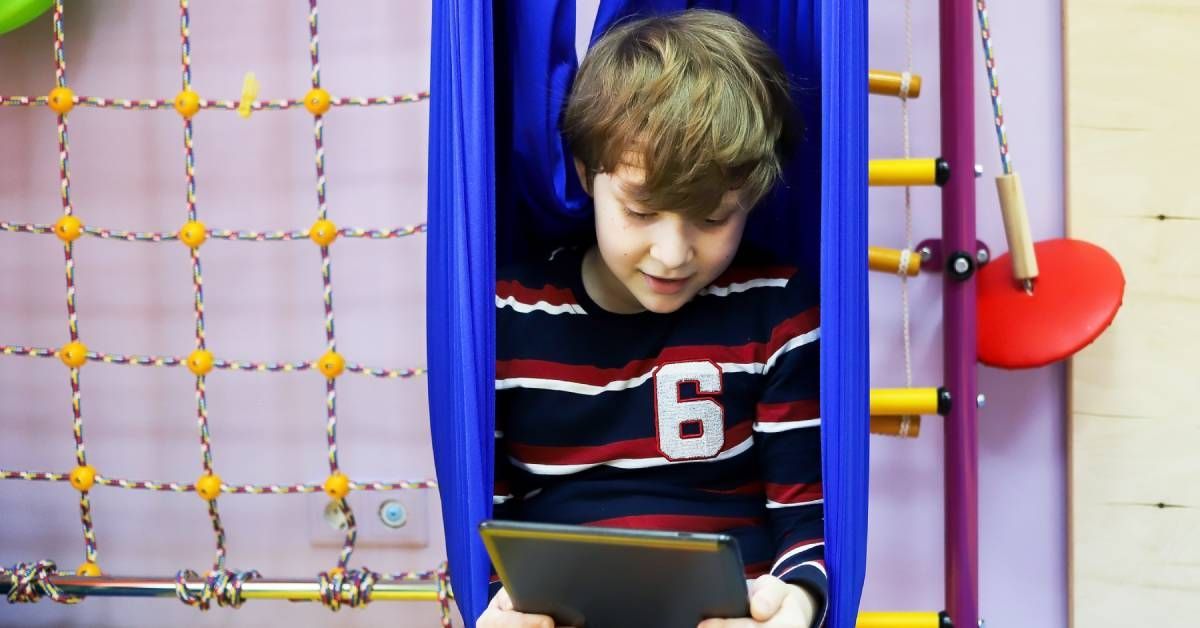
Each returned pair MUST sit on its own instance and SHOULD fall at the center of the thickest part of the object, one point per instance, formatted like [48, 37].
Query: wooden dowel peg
[886, 83]
[1016, 228]
[902, 426]
[894, 261]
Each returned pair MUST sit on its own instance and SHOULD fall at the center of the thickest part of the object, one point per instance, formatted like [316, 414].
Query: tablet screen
[617, 578]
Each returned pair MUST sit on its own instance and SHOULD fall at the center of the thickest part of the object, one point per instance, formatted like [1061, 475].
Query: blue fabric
[539, 196]
[460, 276]
[845, 355]
[513, 195]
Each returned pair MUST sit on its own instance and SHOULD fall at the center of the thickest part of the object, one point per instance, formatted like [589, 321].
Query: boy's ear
[584, 180]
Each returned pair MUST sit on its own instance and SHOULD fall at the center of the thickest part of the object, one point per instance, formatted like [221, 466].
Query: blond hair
[694, 99]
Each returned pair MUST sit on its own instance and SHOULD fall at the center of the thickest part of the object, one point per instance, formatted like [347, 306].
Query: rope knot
[222, 585]
[350, 587]
[28, 582]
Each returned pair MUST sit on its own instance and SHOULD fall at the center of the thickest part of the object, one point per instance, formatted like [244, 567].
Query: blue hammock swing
[501, 187]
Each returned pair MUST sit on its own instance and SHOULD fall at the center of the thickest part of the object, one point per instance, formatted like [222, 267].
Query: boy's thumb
[766, 602]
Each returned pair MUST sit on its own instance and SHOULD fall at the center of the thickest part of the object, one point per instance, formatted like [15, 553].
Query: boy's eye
[638, 215]
[715, 222]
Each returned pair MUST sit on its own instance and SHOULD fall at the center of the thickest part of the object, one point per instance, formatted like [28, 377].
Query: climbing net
[335, 587]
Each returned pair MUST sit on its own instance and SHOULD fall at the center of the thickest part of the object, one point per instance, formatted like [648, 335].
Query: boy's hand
[773, 604]
[500, 614]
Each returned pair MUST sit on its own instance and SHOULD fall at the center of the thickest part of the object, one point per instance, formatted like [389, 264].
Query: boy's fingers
[513, 619]
[537, 621]
[740, 622]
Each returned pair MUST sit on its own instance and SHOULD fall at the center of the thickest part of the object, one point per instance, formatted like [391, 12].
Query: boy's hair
[695, 99]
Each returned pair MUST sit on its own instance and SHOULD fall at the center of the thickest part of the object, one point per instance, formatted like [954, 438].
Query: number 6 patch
[703, 420]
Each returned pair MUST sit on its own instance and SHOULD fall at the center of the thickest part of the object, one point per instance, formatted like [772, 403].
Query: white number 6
[672, 415]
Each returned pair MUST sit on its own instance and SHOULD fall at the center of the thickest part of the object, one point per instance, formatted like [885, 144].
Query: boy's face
[656, 261]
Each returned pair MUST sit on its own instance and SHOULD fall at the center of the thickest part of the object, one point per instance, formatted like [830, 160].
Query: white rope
[905, 84]
[905, 257]
[905, 77]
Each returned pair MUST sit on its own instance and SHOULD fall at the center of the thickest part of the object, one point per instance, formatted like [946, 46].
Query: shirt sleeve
[502, 491]
[787, 432]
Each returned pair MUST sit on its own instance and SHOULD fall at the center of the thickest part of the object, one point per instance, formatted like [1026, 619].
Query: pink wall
[263, 303]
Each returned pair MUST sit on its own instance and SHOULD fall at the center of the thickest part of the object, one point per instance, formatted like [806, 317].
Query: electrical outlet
[384, 519]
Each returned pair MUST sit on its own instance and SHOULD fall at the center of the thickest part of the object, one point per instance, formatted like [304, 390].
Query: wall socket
[395, 519]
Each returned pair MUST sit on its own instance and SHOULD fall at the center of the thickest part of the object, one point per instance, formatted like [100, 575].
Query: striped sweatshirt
[706, 419]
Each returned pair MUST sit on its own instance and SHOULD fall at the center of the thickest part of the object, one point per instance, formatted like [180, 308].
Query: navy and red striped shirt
[706, 419]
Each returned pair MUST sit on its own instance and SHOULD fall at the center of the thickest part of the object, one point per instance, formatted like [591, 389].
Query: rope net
[339, 586]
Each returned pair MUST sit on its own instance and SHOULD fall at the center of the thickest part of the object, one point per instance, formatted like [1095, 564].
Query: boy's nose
[672, 249]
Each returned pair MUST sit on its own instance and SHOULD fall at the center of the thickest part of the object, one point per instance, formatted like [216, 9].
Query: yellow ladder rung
[913, 171]
[909, 401]
[919, 619]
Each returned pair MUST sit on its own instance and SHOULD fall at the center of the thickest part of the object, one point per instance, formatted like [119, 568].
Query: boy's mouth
[664, 286]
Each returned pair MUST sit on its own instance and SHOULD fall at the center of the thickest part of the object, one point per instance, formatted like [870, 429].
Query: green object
[17, 13]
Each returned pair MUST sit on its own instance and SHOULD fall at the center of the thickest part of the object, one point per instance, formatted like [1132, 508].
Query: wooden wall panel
[1134, 463]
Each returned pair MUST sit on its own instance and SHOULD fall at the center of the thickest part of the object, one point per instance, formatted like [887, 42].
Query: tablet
[617, 578]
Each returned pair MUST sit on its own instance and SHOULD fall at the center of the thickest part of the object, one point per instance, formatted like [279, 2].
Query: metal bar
[957, 54]
[292, 590]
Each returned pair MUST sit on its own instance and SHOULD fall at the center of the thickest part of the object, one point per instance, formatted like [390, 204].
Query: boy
[666, 377]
